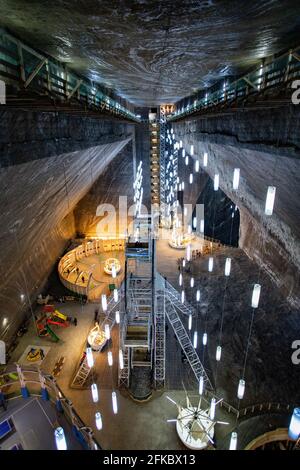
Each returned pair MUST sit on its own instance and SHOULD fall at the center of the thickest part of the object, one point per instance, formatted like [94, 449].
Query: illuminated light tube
[201, 385]
[216, 182]
[117, 317]
[192, 282]
[183, 153]
[188, 252]
[212, 411]
[107, 331]
[187, 160]
[182, 185]
[227, 266]
[104, 302]
[183, 263]
[190, 322]
[270, 200]
[197, 166]
[116, 295]
[180, 279]
[98, 420]
[192, 150]
[241, 389]
[218, 353]
[195, 222]
[205, 159]
[114, 402]
[198, 295]
[236, 178]
[191, 178]
[202, 226]
[60, 439]
[255, 295]
[210, 264]
[110, 358]
[89, 357]
[180, 144]
[233, 441]
[204, 339]
[95, 394]
[195, 339]
[121, 359]
[294, 428]
[185, 211]
[182, 296]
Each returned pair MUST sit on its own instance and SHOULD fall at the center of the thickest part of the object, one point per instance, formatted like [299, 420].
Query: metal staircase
[81, 375]
[159, 344]
[174, 296]
[186, 344]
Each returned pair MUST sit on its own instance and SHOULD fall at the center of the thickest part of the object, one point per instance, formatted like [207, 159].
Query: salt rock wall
[265, 145]
[48, 163]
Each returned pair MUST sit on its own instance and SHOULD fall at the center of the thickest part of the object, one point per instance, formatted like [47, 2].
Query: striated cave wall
[48, 163]
[265, 146]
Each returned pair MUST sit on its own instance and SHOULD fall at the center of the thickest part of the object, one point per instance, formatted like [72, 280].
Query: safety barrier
[24, 68]
[271, 74]
[24, 381]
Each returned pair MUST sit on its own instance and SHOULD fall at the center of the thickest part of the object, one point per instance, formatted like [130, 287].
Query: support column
[24, 390]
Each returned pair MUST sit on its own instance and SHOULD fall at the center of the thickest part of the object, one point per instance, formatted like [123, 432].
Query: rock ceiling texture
[155, 51]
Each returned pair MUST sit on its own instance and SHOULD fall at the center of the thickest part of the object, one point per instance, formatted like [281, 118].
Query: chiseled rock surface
[42, 180]
[266, 149]
[156, 51]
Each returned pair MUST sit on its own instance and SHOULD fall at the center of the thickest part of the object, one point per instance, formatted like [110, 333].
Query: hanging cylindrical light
[188, 252]
[113, 270]
[183, 153]
[183, 263]
[218, 353]
[212, 411]
[204, 339]
[191, 178]
[182, 296]
[117, 317]
[202, 226]
[255, 295]
[114, 402]
[270, 199]
[187, 160]
[60, 439]
[198, 295]
[110, 358]
[107, 331]
[210, 264]
[195, 222]
[227, 266]
[182, 185]
[197, 166]
[294, 428]
[95, 394]
[180, 279]
[116, 295]
[233, 441]
[195, 339]
[205, 159]
[236, 178]
[89, 357]
[216, 182]
[190, 322]
[192, 150]
[241, 389]
[104, 302]
[121, 359]
[98, 420]
[201, 385]
[192, 282]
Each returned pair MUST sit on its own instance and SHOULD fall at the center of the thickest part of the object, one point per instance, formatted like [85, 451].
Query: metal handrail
[23, 67]
[271, 73]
